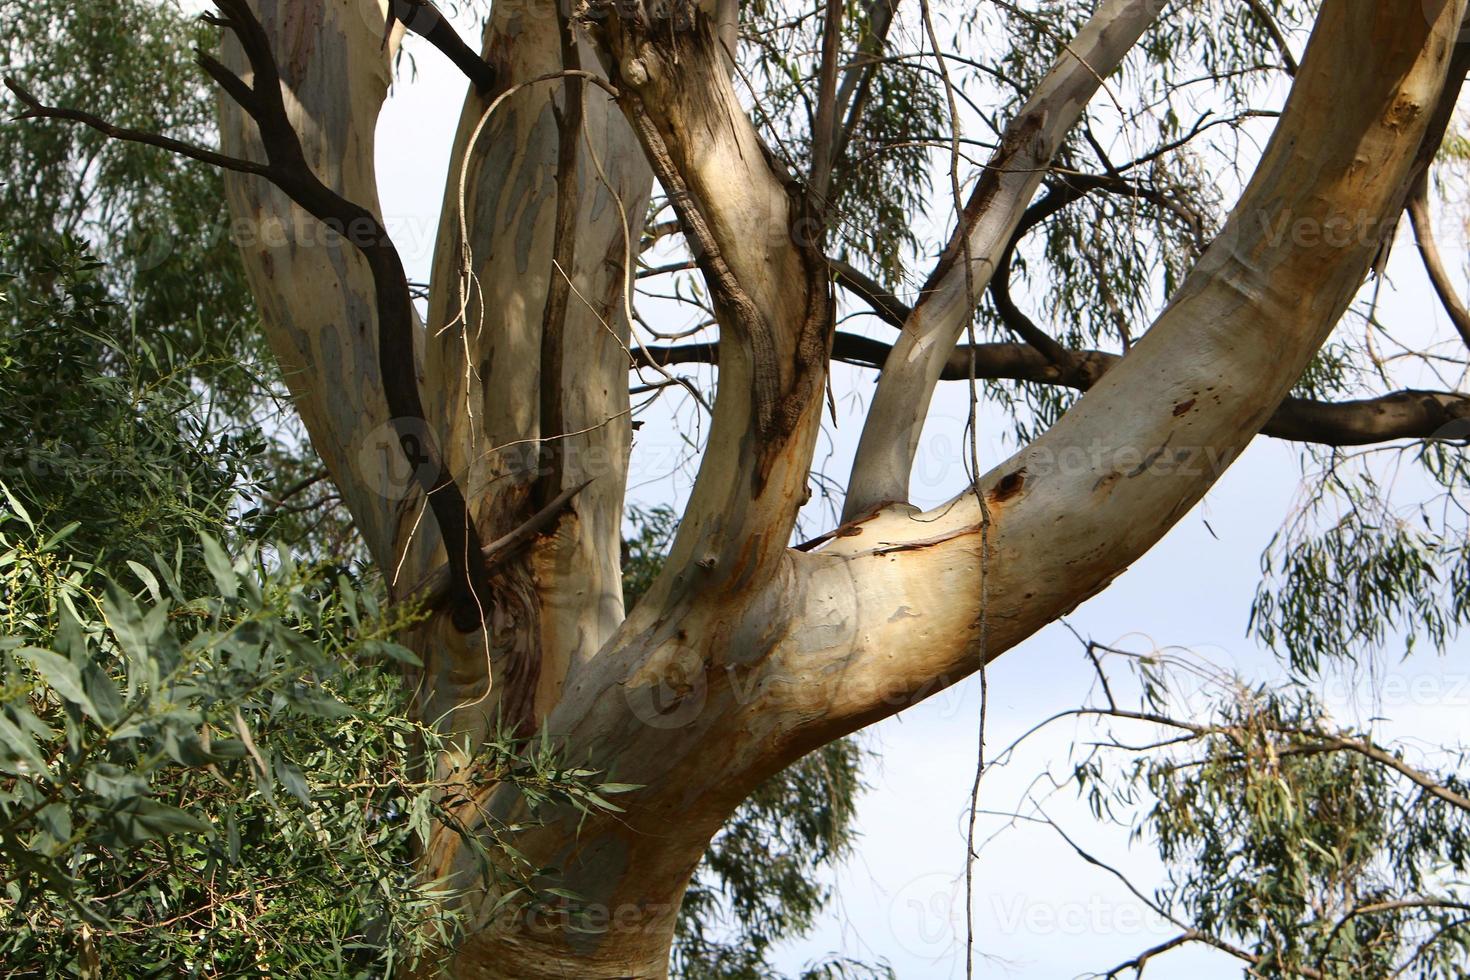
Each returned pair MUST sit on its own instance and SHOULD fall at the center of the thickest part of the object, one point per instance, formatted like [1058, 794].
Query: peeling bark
[530, 354]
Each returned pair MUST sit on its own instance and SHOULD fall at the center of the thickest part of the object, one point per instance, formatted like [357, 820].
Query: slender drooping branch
[287, 169]
[35, 109]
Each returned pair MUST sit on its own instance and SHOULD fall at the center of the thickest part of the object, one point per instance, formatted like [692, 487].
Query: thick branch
[984, 231]
[526, 346]
[1407, 414]
[755, 234]
[1071, 511]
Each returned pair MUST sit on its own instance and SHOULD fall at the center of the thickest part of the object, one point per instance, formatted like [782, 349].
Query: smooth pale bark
[702, 700]
[312, 288]
[948, 300]
[519, 434]
[757, 240]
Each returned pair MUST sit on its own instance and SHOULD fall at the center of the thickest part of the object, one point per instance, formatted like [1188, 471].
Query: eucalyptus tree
[483, 444]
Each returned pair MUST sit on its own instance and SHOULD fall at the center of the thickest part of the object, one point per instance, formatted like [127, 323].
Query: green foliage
[158, 227]
[101, 429]
[643, 554]
[208, 765]
[1339, 592]
[1308, 856]
[157, 220]
[227, 783]
[202, 785]
[882, 181]
[1300, 848]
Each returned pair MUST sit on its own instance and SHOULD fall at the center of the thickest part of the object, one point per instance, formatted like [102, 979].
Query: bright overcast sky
[1041, 912]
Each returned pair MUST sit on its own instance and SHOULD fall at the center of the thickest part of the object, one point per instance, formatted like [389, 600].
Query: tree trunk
[747, 654]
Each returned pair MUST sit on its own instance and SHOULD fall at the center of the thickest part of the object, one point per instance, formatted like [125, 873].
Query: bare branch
[36, 110]
[1013, 317]
[894, 311]
[425, 20]
[983, 233]
[824, 126]
[1407, 414]
[1439, 276]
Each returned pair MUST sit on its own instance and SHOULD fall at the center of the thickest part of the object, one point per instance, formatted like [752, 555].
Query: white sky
[1041, 913]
